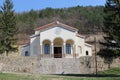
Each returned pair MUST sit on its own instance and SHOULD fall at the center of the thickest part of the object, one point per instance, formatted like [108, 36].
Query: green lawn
[114, 72]
[4, 76]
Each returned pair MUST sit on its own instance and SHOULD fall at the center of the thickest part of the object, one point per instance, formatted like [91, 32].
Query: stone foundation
[83, 65]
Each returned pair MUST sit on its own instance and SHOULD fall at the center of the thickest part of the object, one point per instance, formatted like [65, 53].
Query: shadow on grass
[89, 75]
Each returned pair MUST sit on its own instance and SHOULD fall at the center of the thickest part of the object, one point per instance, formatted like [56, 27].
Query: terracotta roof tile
[54, 24]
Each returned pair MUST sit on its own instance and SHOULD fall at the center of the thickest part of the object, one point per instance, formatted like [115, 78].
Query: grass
[113, 71]
[4, 76]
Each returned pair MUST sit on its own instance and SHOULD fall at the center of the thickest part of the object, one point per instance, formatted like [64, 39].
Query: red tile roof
[54, 24]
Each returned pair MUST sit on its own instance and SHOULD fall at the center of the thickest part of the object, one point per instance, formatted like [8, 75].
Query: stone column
[64, 49]
[41, 50]
[72, 50]
[74, 54]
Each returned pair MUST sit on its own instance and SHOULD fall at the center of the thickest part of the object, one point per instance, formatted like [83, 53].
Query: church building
[57, 40]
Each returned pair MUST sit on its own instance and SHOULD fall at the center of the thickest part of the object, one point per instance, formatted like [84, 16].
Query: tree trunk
[109, 65]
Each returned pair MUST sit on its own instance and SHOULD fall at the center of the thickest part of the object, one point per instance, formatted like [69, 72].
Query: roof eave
[81, 36]
[56, 23]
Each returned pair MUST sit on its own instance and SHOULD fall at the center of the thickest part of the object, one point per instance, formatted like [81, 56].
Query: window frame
[68, 48]
[46, 48]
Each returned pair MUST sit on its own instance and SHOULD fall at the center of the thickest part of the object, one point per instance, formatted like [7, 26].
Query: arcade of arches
[58, 48]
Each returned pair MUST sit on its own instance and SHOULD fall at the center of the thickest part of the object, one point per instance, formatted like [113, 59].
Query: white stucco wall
[80, 46]
[35, 46]
[37, 32]
[25, 48]
[57, 32]
[89, 49]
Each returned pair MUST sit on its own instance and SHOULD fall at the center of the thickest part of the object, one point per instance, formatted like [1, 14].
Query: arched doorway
[58, 43]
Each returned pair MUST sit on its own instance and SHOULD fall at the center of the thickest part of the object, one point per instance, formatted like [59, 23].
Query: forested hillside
[87, 19]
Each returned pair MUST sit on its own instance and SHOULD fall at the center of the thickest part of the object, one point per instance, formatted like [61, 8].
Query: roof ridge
[57, 23]
[69, 26]
[44, 25]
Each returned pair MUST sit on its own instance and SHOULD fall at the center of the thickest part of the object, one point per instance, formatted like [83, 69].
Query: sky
[27, 5]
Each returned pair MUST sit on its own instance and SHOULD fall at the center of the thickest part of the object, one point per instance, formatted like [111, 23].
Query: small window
[87, 53]
[47, 49]
[26, 53]
[68, 48]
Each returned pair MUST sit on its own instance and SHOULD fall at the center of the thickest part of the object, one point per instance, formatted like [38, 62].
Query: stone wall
[16, 64]
[83, 65]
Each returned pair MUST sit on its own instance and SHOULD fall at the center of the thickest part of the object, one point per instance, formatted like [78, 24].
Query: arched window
[87, 53]
[68, 48]
[47, 49]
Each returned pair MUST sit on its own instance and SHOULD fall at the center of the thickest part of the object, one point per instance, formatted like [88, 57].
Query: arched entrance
[58, 43]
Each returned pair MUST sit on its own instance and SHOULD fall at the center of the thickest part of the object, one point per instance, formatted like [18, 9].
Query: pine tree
[8, 28]
[111, 44]
[1, 47]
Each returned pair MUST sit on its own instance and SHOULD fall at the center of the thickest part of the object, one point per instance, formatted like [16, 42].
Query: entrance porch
[57, 48]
